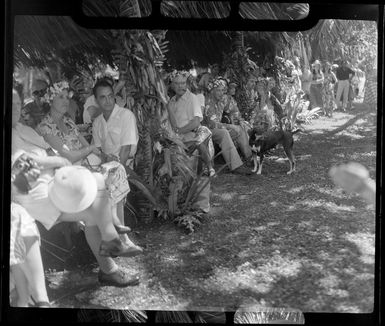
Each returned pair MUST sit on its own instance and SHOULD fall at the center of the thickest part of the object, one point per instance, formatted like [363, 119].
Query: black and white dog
[260, 144]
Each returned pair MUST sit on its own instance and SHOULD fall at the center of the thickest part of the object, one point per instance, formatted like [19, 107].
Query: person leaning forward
[185, 116]
[221, 131]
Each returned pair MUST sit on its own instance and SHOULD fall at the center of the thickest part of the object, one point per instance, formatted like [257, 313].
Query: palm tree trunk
[144, 168]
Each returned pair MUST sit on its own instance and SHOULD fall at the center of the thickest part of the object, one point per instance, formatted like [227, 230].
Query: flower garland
[217, 82]
[55, 90]
[178, 73]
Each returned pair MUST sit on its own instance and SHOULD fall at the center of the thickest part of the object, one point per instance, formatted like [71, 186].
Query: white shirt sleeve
[196, 107]
[129, 135]
[96, 133]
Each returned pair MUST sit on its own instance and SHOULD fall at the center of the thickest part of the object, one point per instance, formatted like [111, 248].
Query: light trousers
[230, 154]
[342, 90]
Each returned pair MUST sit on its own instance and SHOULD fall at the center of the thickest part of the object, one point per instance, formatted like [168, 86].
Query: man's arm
[193, 124]
[127, 152]
[129, 137]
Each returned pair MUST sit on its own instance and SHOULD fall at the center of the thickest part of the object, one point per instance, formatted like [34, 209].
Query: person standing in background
[344, 75]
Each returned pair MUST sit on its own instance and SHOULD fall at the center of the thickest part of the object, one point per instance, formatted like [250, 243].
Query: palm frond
[172, 317]
[264, 315]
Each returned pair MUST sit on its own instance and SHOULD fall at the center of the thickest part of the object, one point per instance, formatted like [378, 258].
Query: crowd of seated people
[52, 160]
[54, 181]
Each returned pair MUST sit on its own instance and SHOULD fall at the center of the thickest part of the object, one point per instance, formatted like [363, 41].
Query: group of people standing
[334, 86]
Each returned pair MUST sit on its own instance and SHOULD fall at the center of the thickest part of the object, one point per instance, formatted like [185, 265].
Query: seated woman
[36, 201]
[216, 103]
[72, 194]
[26, 138]
[268, 111]
[231, 114]
[61, 133]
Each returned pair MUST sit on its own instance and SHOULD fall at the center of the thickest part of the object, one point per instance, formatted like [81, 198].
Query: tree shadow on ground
[274, 240]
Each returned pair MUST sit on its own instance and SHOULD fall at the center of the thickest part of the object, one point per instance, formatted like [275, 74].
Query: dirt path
[273, 240]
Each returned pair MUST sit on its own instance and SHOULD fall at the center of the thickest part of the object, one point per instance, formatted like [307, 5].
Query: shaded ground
[274, 240]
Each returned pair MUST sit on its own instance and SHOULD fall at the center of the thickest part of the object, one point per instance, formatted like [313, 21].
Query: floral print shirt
[213, 112]
[231, 108]
[48, 127]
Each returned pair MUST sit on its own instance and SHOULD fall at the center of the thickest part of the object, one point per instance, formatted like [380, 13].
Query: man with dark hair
[115, 130]
[344, 75]
[115, 134]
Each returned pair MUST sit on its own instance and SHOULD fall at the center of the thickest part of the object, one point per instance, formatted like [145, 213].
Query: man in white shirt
[115, 131]
[185, 114]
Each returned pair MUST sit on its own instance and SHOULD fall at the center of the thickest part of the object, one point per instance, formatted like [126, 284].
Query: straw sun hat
[73, 189]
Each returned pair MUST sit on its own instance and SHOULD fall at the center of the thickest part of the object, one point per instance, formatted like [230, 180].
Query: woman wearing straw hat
[72, 194]
[26, 138]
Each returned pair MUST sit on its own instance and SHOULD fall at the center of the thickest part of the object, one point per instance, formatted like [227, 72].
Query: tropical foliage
[356, 40]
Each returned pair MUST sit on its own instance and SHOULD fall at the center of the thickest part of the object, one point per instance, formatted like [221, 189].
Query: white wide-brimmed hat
[73, 189]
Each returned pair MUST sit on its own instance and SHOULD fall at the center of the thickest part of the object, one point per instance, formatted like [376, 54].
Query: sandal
[116, 247]
[42, 304]
[39, 304]
[122, 229]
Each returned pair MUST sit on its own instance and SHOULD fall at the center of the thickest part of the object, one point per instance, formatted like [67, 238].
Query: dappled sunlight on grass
[226, 195]
[352, 134]
[365, 245]
[256, 278]
[330, 206]
[296, 189]
[335, 192]
[303, 157]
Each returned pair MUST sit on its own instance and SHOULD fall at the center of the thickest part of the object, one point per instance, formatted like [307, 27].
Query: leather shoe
[116, 247]
[121, 229]
[242, 170]
[119, 279]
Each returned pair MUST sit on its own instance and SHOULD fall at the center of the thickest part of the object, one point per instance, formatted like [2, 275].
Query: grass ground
[272, 240]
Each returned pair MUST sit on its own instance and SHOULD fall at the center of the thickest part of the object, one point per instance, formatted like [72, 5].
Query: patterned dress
[113, 172]
[316, 99]
[328, 94]
[213, 116]
[264, 117]
[370, 97]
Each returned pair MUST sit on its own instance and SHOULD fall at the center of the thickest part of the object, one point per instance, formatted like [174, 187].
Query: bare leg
[290, 156]
[21, 284]
[100, 213]
[34, 271]
[93, 237]
[114, 213]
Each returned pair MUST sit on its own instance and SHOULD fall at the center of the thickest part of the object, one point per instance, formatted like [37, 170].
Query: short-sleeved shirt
[120, 130]
[185, 108]
[214, 109]
[342, 73]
